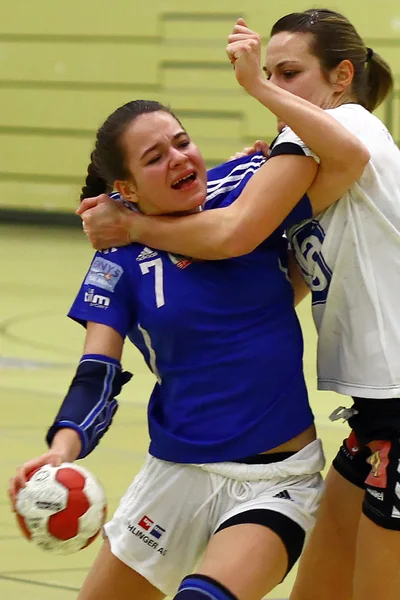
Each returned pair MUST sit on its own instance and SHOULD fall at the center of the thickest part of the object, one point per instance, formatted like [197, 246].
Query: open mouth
[184, 182]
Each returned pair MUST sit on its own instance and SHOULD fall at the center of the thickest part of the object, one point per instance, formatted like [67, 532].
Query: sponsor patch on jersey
[146, 253]
[179, 260]
[145, 522]
[104, 274]
[96, 299]
[157, 531]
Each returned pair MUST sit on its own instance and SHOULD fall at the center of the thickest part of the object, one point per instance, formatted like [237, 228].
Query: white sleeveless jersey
[350, 257]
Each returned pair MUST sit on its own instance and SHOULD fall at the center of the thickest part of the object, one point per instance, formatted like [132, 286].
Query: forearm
[208, 236]
[265, 201]
[67, 444]
[330, 140]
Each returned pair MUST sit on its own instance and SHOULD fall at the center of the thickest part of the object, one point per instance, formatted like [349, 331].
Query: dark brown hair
[336, 39]
[108, 157]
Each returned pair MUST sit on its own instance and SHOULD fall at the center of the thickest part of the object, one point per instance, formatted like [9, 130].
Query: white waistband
[307, 461]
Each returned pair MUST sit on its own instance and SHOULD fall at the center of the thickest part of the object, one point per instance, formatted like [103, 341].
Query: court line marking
[54, 586]
[10, 573]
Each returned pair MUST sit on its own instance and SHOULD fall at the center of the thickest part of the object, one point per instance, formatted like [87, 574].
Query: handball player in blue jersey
[232, 479]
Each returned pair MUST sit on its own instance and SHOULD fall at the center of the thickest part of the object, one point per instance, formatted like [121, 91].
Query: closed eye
[290, 74]
[154, 160]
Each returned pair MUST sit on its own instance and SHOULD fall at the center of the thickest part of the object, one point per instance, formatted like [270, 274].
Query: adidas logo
[285, 495]
[146, 253]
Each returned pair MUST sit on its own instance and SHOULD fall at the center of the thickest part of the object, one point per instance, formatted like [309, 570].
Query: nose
[177, 157]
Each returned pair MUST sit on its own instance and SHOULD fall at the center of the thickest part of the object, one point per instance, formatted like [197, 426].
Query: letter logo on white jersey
[306, 241]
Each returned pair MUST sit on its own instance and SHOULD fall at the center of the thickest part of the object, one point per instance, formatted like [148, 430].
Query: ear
[126, 190]
[342, 76]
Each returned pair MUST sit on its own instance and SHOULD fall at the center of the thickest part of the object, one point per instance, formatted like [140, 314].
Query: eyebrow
[282, 63]
[158, 144]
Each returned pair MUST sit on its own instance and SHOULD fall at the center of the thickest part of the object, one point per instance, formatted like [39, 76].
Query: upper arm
[269, 196]
[102, 339]
[331, 183]
[106, 296]
[337, 171]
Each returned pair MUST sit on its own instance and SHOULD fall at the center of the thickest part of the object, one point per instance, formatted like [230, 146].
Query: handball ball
[61, 509]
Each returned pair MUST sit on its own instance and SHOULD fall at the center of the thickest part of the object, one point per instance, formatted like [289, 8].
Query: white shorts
[169, 513]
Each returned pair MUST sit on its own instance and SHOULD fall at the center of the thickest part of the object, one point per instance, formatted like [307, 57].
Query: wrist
[256, 86]
[138, 227]
[67, 444]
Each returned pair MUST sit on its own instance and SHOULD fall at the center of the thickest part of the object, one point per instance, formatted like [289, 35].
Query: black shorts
[370, 459]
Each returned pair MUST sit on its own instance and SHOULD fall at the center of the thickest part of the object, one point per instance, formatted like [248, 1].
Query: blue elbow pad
[90, 403]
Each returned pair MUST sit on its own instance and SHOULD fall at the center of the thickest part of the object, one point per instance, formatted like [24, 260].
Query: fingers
[24, 471]
[261, 146]
[258, 146]
[237, 49]
[241, 26]
[241, 21]
[90, 203]
[244, 35]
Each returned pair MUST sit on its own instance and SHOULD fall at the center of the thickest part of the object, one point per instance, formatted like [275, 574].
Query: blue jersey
[221, 337]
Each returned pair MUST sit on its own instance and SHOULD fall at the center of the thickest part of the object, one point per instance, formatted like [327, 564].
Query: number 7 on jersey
[158, 278]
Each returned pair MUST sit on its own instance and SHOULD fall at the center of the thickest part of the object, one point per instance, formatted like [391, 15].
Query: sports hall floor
[39, 347]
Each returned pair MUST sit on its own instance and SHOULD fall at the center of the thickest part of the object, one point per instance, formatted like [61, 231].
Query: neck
[334, 102]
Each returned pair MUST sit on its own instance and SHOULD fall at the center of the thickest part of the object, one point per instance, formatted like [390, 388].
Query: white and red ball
[61, 509]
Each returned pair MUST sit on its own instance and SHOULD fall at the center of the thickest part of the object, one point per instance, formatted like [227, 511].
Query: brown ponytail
[379, 81]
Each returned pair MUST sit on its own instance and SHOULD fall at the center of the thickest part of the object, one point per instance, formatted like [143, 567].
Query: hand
[244, 52]
[258, 146]
[106, 222]
[52, 457]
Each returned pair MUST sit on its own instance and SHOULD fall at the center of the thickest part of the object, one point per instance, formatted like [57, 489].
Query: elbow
[352, 162]
[356, 159]
[361, 157]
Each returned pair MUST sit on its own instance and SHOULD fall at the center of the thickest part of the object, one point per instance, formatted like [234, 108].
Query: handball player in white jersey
[349, 254]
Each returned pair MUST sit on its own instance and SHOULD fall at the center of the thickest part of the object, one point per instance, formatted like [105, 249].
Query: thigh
[377, 571]
[248, 559]
[110, 578]
[161, 526]
[326, 566]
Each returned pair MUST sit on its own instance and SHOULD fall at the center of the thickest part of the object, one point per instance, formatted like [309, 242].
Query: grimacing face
[168, 172]
[290, 65]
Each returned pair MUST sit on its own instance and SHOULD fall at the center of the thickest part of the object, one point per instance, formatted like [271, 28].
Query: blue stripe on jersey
[224, 341]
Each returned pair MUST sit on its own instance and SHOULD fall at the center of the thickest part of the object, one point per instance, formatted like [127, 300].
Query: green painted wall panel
[81, 17]
[79, 62]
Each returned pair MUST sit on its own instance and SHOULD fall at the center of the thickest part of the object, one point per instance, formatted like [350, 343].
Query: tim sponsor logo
[96, 300]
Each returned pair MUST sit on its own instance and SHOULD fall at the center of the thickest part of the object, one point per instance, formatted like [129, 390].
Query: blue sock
[201, 587]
